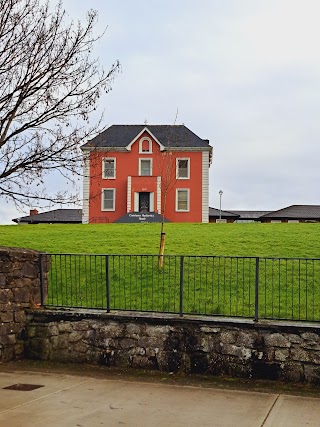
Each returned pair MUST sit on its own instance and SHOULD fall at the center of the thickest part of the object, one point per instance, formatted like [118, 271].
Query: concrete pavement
[80, 400]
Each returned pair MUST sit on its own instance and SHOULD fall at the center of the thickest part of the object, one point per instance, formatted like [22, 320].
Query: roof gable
[128, 147]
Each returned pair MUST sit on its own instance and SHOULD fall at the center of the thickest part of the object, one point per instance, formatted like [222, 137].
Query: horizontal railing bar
[186, 256]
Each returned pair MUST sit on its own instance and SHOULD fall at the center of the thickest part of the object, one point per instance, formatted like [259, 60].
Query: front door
[144, 202]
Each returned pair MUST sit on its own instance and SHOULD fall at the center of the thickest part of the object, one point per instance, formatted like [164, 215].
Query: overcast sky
[243, 74]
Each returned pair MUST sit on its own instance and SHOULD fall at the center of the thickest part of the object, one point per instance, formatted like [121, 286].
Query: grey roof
[167, 135]
[296, 212]
[250, 214]
[216, 213]
[55, 216]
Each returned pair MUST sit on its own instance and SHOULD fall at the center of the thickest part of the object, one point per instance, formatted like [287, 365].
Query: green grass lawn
[288, 289]
[278, 240]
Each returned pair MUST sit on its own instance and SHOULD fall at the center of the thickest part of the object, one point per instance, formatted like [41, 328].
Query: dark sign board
[141, 217]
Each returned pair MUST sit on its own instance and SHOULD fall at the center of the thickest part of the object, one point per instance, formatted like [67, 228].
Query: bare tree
[167, 167]
[49, 86]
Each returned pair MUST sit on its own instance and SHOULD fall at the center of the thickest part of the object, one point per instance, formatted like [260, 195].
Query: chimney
[33, 212]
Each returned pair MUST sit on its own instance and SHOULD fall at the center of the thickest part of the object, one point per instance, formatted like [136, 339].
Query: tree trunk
[161, 251]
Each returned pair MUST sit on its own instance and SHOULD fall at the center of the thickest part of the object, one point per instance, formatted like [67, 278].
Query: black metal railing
[250, 287]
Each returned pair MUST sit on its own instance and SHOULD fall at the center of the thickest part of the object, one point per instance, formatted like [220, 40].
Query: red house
[137, 173]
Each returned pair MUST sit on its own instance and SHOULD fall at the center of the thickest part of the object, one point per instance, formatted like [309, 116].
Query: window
[109, 168]
[108, 199]
[145, 167]
[182, 200]
[145, 145]
[183, 169]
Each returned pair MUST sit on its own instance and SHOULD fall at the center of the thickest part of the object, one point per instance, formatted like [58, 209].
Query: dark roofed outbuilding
[57, 216]
[301, 213]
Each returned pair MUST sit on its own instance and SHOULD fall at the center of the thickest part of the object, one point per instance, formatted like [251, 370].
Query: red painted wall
[127, 164]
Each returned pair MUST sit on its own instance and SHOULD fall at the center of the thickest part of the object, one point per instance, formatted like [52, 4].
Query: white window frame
[188, 199]
[114, 168]
[140, 160]
[177, 167]
[114, 200]
[141, 145]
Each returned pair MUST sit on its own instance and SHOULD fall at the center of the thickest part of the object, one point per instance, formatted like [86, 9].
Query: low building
[57, 216]
[294, 213]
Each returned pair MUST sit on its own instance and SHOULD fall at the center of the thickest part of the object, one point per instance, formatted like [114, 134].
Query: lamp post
[220, 193]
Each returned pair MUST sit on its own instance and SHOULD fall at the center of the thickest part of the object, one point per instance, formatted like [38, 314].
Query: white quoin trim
[86, 188]
[129, 194]
[128, 147]
[159, 194]
[136, 202]
[151, 202]
[205, 186]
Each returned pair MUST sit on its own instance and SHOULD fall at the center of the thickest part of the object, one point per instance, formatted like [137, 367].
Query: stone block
[228, 337]
[21, 295]
[299, 354]
[80, 347]
[83, 325]
[133, 330]
[8, 340]
[157, 331]
[6, 296]
[20, 316]
[281, 354]
[127, 343]
[7, 354]
[6, 316]
[150, 342]
[112, 331]
[292, 371]
[30, 270]
[276, 340]
[314, 357]
[54, 342]
[3, 280]
[75, 336]
[142, 362]
[31, 331]
[246, 339]
[65, 327]
[310, 336]
[52, 330]
[19, 348]
[312, 374]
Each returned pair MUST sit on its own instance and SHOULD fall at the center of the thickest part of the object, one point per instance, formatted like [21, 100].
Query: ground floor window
[108, 199]
[182, 200]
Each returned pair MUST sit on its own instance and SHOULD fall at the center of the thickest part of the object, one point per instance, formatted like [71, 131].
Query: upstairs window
[109, 168]
[108, 199]
[145, 167]
[182, 200]
[183, 169]
[145, 146]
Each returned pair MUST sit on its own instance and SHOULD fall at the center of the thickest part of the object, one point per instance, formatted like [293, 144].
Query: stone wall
[276, 350]
[284, 351]
[19, 290]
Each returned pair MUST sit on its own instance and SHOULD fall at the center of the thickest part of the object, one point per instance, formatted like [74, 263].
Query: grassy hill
[279, 240]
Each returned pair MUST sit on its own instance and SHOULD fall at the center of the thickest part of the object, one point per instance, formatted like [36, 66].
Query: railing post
[181, 285]
[41, 279]
[256, 300]
[107, 284]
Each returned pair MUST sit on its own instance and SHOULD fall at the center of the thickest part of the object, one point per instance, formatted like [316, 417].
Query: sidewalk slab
[83, 399]
[90, 402]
